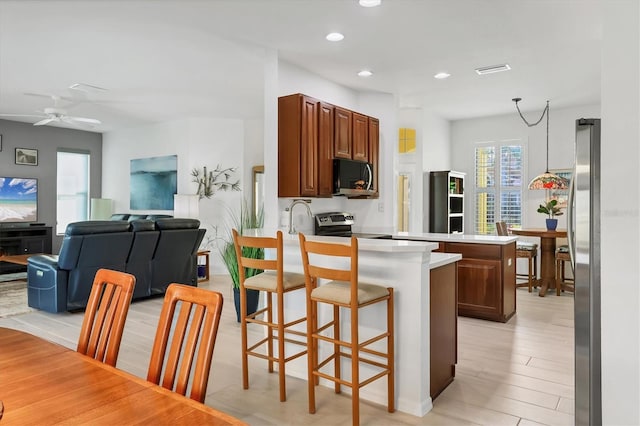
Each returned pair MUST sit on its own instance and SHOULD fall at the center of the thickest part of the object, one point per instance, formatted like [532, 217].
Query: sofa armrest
[44, 261]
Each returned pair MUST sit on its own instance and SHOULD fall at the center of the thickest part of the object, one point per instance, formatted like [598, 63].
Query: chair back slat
[200, 329]
[105, 315]
[249, 262]
[501, 229]
[319, 249]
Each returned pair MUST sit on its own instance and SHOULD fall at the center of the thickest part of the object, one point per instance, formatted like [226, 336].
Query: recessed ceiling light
[365, 73]
[442, 75]
[334, 37]
[492, 69]
[369, 3]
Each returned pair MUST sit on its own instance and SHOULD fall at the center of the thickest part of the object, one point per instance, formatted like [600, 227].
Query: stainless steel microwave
[352, 178]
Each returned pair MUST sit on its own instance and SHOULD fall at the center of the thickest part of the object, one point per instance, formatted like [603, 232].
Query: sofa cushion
[142, 225]
[96, 227]
[120, 216]
[177, 223]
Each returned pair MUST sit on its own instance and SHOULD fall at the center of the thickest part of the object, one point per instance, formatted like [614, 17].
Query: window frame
[88, 188]
[498, 188]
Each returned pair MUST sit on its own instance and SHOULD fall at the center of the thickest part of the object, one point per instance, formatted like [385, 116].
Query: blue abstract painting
[154, 181]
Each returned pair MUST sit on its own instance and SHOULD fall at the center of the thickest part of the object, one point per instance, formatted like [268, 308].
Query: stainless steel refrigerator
[583, 224]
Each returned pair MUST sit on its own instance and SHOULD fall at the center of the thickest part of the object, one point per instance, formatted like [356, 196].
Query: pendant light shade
[546, 180]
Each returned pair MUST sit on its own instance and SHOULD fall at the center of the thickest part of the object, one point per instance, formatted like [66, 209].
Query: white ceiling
[164, 60]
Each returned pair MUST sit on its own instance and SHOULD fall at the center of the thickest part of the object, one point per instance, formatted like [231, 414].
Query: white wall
[620, 244]
[292, 79]
[197, 142]
[465, 133]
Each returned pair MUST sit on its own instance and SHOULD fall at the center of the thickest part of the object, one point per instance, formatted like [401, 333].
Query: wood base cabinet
[486, 280]
[443, 327]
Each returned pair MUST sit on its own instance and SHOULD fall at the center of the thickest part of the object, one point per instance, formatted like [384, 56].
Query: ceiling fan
[55, 114]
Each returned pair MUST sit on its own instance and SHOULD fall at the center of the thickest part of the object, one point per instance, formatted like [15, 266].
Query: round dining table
[547, 254]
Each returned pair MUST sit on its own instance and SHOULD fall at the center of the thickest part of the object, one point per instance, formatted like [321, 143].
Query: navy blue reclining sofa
[157, 252]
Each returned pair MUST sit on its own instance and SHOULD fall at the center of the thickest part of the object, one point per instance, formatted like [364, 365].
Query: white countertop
[440, 259]
[364, 244]
[455, 238]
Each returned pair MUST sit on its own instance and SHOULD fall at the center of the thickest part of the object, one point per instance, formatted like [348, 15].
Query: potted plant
[248, 219]
[551, 209]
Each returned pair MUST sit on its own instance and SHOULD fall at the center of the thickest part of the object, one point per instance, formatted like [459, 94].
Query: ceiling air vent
[492, 69]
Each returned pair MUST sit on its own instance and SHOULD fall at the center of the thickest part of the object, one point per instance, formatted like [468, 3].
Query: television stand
[26, 240]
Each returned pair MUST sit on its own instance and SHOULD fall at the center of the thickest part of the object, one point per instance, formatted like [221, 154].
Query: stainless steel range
[338, 224]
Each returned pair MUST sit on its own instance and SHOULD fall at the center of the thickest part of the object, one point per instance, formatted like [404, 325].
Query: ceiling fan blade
[21, 115]
[85, 120]
[45, 121]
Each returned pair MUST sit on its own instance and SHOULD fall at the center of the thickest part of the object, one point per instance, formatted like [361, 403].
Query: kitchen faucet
[293, 204]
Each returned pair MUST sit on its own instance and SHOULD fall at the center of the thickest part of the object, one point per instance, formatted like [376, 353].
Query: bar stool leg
[281, 354]
[311, 354]
[391, 352]
[270, 330]
[336, 347]
[243, 332]
[355, 369]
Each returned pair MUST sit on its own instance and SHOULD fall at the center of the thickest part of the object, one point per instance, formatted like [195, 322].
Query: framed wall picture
[562, 195]
[26, 156]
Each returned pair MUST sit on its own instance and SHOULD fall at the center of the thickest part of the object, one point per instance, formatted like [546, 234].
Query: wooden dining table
[45, 383]
[547, 254]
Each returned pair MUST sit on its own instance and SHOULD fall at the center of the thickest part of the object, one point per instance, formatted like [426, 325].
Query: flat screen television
[18, 200]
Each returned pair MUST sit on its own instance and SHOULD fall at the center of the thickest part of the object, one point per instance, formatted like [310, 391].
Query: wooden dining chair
[342, 289]
[274, 281]
[524, 250]
[105, 315]
[197, 321]
[563, 282]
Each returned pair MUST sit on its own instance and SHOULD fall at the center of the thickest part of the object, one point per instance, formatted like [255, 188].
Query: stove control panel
[334, 218]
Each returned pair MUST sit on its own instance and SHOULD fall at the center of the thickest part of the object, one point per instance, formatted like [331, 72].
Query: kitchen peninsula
[406, 266]
[486, 273]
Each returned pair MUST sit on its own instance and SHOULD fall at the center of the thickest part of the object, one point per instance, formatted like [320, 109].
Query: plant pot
[252, 301]
[552, 224]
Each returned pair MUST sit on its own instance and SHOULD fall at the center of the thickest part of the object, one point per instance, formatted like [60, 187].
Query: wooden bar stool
[273, 281]
[525, 250]
[344, 291]
[562, 282]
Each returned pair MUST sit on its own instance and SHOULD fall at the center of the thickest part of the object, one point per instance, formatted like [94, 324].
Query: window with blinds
[498, 185]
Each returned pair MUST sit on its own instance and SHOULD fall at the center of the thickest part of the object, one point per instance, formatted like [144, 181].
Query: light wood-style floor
[519, 373]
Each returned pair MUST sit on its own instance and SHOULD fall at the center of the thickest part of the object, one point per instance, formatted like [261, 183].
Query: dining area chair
[105, 315]
[341, 288]
[563, 281]
[186, 334]
[524, 250]
[274, 281]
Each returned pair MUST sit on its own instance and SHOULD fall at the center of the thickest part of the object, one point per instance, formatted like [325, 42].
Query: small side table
[204, 253]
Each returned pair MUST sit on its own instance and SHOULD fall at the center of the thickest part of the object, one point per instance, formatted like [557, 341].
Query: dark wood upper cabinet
[297, 146]
[360, 140]
[374, 150]
[311, 134]
[343, 135]
[325, 149]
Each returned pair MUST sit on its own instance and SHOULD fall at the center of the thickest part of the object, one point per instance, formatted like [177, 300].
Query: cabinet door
[309, 148]
[342, 138]
[374, 149]
[360, 137]
[325, 149]
[480, 289]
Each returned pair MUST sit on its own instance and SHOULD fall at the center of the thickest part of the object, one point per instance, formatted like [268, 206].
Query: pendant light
[546, 180]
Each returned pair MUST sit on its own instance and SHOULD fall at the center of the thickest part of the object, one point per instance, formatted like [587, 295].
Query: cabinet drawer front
[477, 251]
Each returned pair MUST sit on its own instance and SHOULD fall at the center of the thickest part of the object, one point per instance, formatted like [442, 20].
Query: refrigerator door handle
[570, 218]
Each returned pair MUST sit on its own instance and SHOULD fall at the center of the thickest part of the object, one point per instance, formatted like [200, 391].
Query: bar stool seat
[340, 288]
[268, 281]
